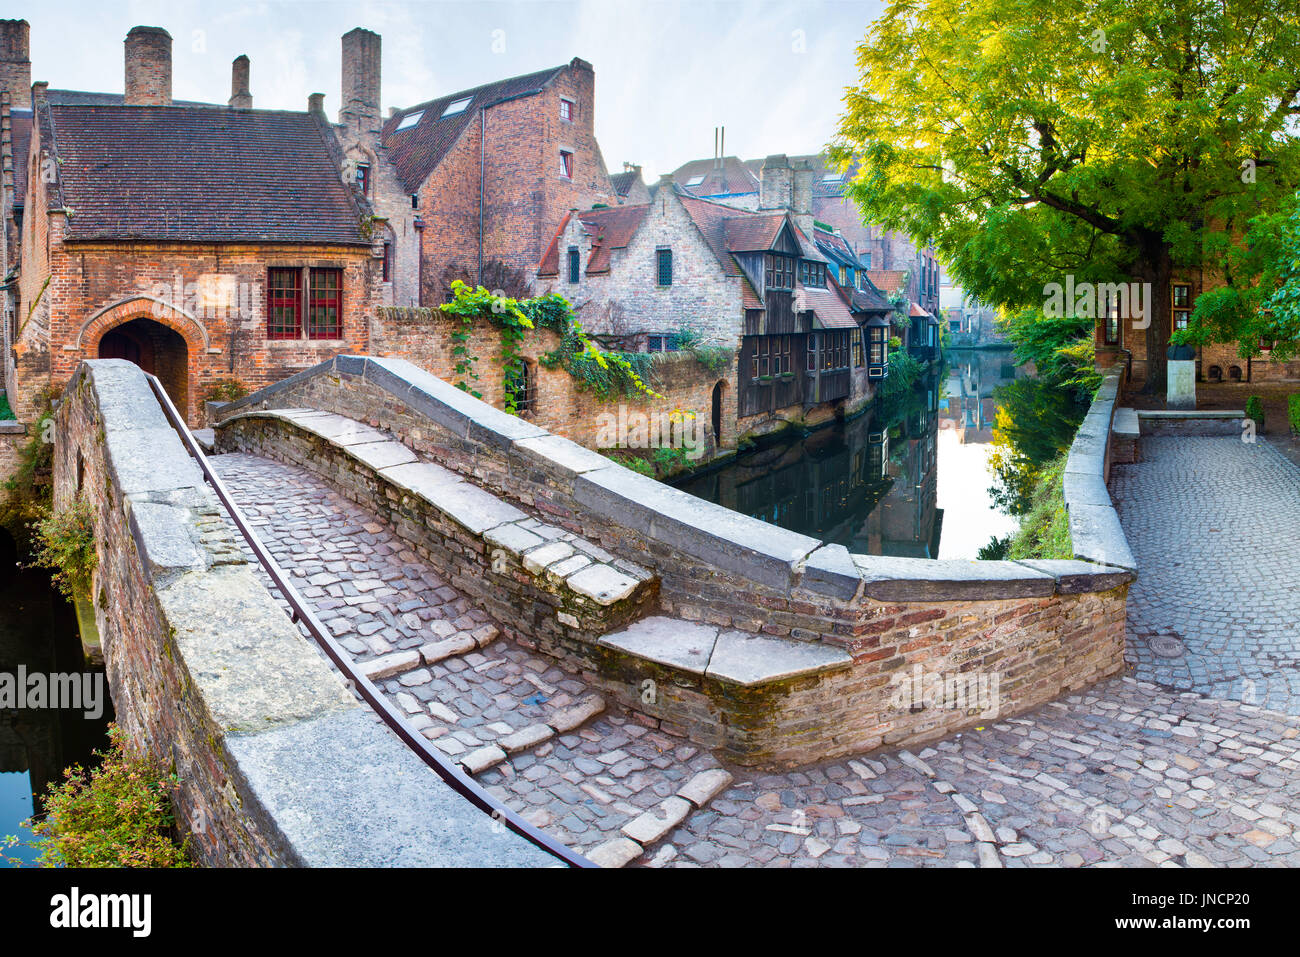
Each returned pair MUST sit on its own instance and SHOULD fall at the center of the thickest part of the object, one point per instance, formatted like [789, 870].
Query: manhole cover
[1166, 646]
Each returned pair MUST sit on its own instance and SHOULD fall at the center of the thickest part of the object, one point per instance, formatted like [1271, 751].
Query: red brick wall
[220, 342]
[524, 196]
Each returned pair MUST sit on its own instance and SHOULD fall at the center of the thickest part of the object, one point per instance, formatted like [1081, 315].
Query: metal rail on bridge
[459, 781]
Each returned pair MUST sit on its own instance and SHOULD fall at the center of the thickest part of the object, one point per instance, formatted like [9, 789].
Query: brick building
[490, 172]
[205, 242]
[682, 268]
[1216, 362]
[727, 179]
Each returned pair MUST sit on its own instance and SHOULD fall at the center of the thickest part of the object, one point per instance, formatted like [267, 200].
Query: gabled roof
[609, 229]
[753, 232]
[199, 174]
[623, 182]
[728, 178]
[417, 150]
[20, 127]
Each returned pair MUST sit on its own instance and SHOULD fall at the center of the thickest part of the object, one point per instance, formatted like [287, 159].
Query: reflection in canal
[38, 630]
[908, 478]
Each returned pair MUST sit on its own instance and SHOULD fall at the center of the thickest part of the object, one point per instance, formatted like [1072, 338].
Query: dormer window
[457, 106]
[566, 110]
[409, 120]
[574, 265]
[363, 178]
[812, 274]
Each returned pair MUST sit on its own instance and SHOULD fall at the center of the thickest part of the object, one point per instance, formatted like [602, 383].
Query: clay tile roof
[201, 175]
[20, 125]
[828, 307]
[748, 233]
[622, 182]
[611, 228]
[835, 248]
[550, 264]
[888, 281]
[417, 150]
[918, 313]
[731, 177]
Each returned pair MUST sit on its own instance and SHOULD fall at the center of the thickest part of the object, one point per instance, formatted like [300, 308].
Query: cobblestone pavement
[1128, 774]
[1212, 524]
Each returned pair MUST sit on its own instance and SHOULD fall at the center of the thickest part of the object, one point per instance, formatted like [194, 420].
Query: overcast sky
[667, 72]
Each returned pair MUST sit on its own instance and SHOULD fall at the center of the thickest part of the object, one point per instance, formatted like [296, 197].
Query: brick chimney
[240, 97]
[15, 63]
[148, 67]
[776, 183]
[361, 56]
[801, 196]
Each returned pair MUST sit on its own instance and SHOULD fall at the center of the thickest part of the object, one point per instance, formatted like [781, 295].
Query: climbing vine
[607, 374]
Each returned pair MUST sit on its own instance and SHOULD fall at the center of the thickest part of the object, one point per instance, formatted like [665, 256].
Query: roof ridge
[472, 91]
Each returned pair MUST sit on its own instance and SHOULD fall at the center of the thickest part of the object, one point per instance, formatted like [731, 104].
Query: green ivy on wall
[608, 375]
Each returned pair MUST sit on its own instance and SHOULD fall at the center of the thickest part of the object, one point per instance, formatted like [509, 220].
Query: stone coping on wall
[1190, 422]
[12, 427]
[765, 554]
[1095, 531]
[301, 762]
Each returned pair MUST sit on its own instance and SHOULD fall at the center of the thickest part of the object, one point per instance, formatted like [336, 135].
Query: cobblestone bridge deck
[1128, 774]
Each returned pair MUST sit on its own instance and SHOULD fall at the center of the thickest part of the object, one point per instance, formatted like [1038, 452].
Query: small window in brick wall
[521, 386]
[664, 267]
[363, 178]
[566, 164]
[388, 262]
[566, 110]
[575, 267]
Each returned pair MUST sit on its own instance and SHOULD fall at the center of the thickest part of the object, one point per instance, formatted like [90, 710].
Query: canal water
[38, 632]
[909, 477]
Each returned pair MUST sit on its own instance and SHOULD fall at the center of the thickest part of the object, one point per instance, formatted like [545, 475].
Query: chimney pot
[148, 67]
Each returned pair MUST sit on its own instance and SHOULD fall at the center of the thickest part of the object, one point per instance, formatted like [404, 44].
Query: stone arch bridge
[641, 676]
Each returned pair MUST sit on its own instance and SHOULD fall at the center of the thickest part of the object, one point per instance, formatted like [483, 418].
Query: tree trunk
[1158, 270]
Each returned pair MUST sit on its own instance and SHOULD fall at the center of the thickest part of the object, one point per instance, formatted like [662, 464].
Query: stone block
[684, 645]
[746, 659]
[657, 822]
[602, 584]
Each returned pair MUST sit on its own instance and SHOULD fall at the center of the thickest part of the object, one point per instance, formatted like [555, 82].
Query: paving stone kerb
[278, 763]
[1044, 627]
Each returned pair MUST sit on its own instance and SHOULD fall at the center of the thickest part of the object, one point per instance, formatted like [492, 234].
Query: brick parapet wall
[277, 763]
[1042, 627]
